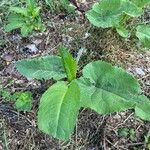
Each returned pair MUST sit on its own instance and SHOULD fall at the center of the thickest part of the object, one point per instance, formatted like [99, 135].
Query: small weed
[127, 133]
[22, 100]
[5, 93]
[102, 87]
[26, 18]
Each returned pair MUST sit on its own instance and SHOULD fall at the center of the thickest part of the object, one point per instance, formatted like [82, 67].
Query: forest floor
[117, 131]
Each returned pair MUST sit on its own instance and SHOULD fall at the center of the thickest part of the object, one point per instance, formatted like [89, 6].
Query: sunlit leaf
[58, 110]
[107, 89]
[47, 67]
[69, 63]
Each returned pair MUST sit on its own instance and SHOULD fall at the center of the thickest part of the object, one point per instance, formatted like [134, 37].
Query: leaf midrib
[59, 111]
[42, 70]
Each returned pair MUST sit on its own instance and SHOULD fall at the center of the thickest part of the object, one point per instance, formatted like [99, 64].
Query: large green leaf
[58, 110]
[107, 89]
[69, 63]
[107, 13]
[143, 33]
[42, 68]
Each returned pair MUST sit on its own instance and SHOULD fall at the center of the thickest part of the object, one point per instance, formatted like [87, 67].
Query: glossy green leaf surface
[47, 67]
[122, 31]
[58, 110]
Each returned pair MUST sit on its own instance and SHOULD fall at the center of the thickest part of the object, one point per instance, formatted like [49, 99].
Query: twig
[5, 140]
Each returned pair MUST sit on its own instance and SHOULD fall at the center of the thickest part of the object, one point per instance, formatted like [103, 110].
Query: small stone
[86, 35]
[19, 81]
[31, 48]
[7, 57]
[37, 41]
[117, 117]
[139, 71]
[15, 38]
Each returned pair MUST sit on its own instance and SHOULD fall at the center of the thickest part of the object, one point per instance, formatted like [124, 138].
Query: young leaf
[69, 63]
[5, 94]
[31, 4]
[58, 110]
[123, 132]
[36, 11]
[23, 101]
[143, 33]
[18, 10]
[42, 68]
[26, 30]
[107, 89]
